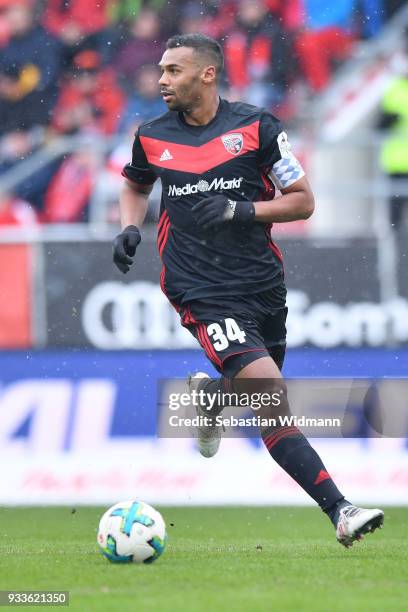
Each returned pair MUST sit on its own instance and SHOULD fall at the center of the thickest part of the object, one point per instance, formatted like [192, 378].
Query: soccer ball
[132, 532]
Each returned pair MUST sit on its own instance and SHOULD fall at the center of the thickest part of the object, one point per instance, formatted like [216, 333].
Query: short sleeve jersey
[243, 153]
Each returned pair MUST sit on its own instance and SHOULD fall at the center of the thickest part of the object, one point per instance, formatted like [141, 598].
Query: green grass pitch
[232, 559]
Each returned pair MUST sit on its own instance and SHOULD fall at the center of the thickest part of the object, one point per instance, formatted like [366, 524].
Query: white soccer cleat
[354, 522]
[208, 436]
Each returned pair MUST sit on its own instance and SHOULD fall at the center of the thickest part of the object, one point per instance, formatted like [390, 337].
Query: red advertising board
[15, 295]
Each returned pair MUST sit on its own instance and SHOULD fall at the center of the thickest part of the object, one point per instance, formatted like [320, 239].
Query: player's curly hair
[203, 45]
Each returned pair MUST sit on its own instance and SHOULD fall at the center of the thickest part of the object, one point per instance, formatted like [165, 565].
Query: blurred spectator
[14, 211]
[392, 6]
[206, 16]
[144, 104]
[109, 181]
[80, 24]
[144, 45]
[370, 16]
[126, 11]
[90, 101]
[4, 28]
[146, 101]
[15, 146]
[327, 37]
[259, 37]
[211, 17]
[122, 11]
[394, 153]
[290, 13]
[29, 70]
[257, 55]
[192, 18]
[68, 195]
[217, 17]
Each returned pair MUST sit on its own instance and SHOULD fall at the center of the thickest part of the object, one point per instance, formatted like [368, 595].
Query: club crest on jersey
[233, 143]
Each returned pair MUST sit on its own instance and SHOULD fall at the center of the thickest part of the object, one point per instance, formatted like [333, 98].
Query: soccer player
[219, 163]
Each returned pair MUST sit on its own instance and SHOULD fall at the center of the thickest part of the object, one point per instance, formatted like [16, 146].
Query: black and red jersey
[242, 153]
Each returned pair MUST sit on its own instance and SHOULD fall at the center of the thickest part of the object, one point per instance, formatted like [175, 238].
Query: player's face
[183, 79]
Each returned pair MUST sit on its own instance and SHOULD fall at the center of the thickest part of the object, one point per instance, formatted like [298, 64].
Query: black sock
[334, 512]
[223, 386]
[290, 449]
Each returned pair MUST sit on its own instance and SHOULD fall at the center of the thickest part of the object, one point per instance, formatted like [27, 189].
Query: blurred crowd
[82, 67]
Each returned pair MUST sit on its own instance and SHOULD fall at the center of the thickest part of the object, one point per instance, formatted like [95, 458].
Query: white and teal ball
[132, 532]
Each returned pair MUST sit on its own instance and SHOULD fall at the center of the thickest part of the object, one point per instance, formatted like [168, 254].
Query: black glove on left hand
[124, 247]
[216, 210]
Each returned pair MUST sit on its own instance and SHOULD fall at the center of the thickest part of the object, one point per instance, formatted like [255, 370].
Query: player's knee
[278, 398]
[271, 386]
[268, 397]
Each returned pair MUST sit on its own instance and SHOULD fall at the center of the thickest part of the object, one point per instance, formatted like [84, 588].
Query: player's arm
[296, 202]
[133, 203]
[284, 169]
[276, 161]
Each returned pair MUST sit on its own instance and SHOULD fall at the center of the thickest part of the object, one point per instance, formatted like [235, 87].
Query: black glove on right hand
[124, 247]
[214, 211]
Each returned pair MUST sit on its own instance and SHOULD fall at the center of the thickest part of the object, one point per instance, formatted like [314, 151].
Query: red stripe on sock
[322, 475]
[282, 431]
[273, 439]
[278, 432]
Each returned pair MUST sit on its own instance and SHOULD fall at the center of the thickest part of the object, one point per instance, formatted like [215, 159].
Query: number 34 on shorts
[222, 335]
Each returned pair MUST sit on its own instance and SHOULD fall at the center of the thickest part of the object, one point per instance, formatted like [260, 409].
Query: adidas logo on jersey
[166, 155]
[217, 184]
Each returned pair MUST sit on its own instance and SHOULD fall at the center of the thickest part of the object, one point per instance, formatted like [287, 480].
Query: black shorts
[236, 331]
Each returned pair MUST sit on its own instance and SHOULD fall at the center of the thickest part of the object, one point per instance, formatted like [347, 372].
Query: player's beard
[184, 107]
[176, 105]
[184, 101]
